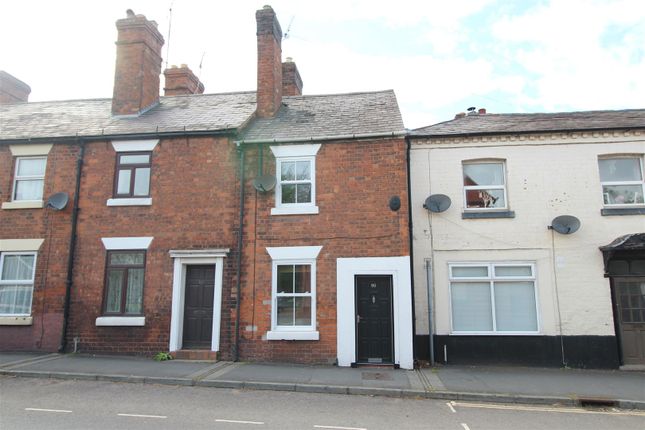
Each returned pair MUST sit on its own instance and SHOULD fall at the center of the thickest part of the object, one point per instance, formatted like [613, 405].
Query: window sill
[296, 210]
[24, 204]
[130, 202]
[486, 215]
[293, 335]
[622, 211]
[121, 321]
[16, 320]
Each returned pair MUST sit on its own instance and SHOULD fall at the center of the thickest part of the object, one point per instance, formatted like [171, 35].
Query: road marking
[64, 411]
[259, 423]
[339, 428]
[451, 408]
[143, 416]
[465, 426]
[546, 409]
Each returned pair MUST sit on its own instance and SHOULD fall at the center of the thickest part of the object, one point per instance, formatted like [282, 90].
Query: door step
[196, 354]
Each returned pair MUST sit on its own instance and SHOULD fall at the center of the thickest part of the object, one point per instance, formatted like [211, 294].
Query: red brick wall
[354, 182]
[51, 264]
[194, 190]
[269, 87]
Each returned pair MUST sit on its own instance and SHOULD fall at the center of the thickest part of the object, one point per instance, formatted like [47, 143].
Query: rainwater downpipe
[236, 347]
[430, 286]
[72, 246]
[410, 244]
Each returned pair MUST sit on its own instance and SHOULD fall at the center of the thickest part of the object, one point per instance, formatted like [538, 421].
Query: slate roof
[330, 115]
[207, 112]
[300, 117]
[535, 123]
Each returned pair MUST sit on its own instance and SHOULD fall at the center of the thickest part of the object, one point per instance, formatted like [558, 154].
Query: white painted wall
[547, 176]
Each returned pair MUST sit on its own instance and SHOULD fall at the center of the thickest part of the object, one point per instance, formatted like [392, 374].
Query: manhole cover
[376, 376]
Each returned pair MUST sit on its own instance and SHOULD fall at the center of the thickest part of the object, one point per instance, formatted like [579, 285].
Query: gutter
[124, 136]
[72, 246]
[400, 133]
[520, 132]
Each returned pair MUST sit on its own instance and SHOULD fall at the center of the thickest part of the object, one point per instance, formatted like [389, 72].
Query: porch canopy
[625, 255]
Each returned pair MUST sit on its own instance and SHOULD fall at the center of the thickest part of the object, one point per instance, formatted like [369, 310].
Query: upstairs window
[484, 185]
[132, 175]
[296, 179]
[17, 270]
[622, 180]
[29, 178]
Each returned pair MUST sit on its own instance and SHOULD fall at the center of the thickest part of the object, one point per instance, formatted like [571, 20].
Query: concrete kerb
[324, 389]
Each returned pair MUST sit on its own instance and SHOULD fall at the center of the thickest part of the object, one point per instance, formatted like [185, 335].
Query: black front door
[198, 307]
[374, 323]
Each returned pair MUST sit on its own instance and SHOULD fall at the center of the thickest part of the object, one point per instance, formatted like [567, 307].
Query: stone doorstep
[195, 355]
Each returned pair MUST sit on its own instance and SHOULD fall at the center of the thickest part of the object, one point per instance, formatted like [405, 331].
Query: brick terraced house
[260, 225]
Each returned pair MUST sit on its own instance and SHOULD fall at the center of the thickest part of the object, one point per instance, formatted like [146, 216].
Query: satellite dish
[565, 224]
[264, 183]
[437, 203]
[58, 201]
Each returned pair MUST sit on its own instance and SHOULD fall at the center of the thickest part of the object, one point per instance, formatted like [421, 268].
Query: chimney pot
[12, 89]
[482, 111]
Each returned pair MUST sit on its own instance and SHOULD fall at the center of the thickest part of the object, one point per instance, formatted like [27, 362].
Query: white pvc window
[493, 298]
[29, 178]
[622, 181]
[484, 185]
[17, 272]
[296, 179]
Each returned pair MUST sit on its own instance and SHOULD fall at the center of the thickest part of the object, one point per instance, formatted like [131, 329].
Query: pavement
[540, 386]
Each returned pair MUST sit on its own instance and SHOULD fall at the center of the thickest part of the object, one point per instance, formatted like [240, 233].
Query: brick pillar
[181, 81]
[269, 33]
[138, 65]
[291, 81]
[12, 90]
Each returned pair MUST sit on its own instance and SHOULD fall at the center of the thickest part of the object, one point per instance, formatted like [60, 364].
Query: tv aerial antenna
[169, 28]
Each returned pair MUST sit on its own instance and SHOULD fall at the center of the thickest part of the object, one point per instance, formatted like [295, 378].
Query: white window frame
[491, 279]
[122, 146]
[17, 282]
[610, 183]
[293, 255]
[292, 153]
[17, 178]
[467, 188]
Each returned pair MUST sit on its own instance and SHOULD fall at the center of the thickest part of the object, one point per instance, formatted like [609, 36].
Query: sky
[440, 57]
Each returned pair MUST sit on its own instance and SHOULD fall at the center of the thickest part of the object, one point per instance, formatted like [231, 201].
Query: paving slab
[7, 358]
[575, 383]
[112, 365]
[316, 375]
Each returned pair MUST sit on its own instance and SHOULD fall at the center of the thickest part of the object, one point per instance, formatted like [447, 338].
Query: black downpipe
[236, 347]
[72, 247]
[414, 323]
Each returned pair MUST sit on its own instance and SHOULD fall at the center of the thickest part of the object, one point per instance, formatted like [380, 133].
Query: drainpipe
[72, 246]
[236, 347]
[407, 166]
[430, 308]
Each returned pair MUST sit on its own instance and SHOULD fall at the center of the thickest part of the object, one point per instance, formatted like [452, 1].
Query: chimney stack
[181, 81]
[269, 33]
[291, 81]
[12, 90]
[138, 65]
